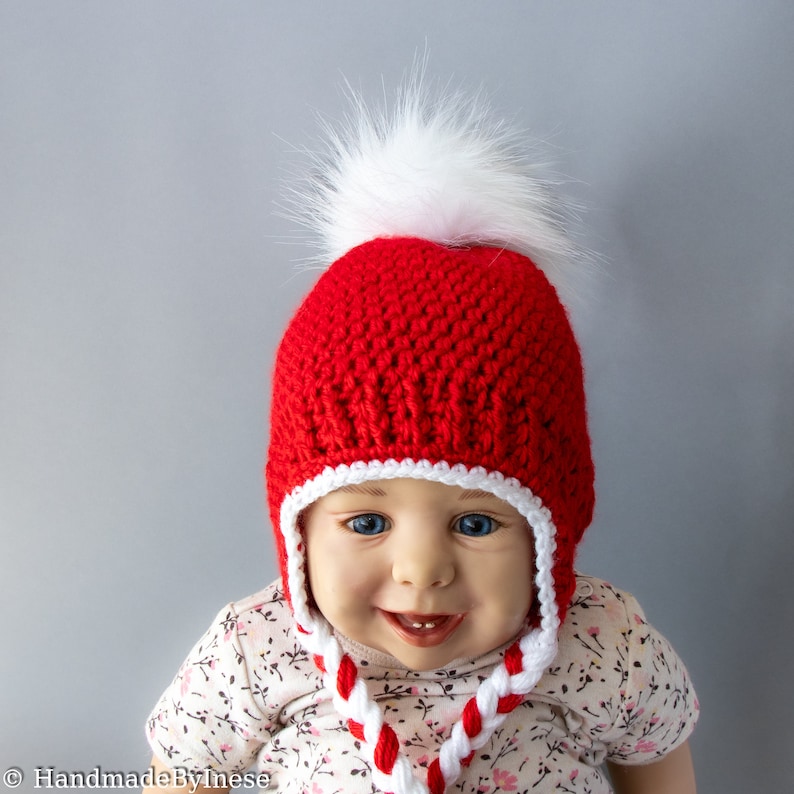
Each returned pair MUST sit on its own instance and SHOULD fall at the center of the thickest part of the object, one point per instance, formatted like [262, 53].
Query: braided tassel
[391, 770]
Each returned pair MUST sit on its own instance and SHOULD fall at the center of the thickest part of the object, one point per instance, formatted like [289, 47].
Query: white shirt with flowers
[248, 696]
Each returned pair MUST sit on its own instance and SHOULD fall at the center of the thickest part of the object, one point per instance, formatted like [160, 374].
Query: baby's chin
[424, 662]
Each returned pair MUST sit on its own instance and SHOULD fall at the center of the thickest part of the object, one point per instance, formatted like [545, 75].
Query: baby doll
[429, 479]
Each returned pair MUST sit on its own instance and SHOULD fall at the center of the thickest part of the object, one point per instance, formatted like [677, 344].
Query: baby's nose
[423, 560]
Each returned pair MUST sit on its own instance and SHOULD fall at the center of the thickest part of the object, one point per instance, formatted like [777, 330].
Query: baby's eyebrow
[369, 490]
[475, 494]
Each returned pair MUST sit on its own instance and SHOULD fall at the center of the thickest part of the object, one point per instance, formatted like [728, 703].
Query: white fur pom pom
[442, 169]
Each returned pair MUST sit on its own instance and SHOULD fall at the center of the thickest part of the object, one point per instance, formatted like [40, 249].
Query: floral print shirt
[248, 696]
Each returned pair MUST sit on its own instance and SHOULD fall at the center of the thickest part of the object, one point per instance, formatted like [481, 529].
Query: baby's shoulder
[259, 622]
[596, 600]
[269, 600]
[616, 683]
[602, 626]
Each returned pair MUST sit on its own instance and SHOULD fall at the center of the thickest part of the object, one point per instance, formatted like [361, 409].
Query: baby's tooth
[431, 624]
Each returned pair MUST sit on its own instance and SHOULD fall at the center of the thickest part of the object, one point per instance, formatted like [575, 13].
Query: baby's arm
[673, 774]
[189, 787]
[213, 715]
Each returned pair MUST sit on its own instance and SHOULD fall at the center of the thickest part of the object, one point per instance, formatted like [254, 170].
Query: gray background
[144, 282]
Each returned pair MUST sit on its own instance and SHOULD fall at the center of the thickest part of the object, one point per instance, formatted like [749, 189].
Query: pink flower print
[483, 789]
[424, 761]
[645, 746]
[239, 626]
[573, 775]
[316, 789]
[185, 681]
[594, 631]
[503, 779]
[414, 690]
[638, 619]
[313, 731]
[224, 748]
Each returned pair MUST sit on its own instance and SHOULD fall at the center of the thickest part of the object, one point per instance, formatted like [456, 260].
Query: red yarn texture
[409, 349]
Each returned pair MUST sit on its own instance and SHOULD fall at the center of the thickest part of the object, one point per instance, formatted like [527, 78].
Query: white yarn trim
[538, 646]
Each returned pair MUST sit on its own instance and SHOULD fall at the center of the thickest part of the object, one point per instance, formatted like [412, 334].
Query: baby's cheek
[354, 585]
[337, 574]
[510, 606]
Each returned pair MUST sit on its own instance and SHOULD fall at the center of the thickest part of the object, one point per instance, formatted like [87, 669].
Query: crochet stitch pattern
[409, 349]
[439, 351]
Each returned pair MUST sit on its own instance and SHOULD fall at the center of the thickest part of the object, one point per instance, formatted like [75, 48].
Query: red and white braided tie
[496, 697]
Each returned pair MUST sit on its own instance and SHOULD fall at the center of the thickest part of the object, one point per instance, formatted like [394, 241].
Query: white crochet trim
[538, 646]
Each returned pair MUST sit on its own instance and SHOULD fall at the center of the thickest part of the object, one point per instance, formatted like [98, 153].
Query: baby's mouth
[423, 630]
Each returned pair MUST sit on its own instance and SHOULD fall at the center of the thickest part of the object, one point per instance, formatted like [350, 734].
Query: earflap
[524, 663]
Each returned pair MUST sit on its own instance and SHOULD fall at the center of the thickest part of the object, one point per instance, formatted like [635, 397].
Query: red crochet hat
[434, 346]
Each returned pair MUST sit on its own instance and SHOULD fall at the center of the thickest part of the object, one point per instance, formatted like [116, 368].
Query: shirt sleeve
[656, 709]
[208, 718]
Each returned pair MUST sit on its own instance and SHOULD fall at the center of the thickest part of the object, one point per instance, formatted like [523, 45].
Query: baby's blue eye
[367, 524]
[476, 525]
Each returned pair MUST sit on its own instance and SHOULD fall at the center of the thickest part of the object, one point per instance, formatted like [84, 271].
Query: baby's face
[425, 572]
